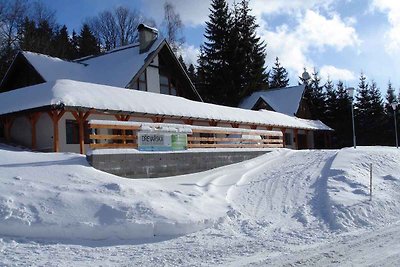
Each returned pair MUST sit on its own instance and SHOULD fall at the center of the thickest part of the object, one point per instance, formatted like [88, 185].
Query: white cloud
[195, 12]
[190, 54]
[392, 8]
[313, 31]
[333, 73]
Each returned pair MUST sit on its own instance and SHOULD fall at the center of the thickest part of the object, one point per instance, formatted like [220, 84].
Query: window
[288, 139]
[141, 83]
[167, 85]
[72, 132]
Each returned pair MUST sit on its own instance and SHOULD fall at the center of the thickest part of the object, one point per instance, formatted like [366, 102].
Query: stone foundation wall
[152, 165]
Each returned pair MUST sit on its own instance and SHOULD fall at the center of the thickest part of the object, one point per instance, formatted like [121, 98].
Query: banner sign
[149, 141]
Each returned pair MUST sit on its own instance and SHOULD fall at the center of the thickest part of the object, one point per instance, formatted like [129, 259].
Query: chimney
[147, 35]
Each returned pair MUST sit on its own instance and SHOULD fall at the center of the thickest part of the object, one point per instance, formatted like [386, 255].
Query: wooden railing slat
[94, 146]
[112, 137]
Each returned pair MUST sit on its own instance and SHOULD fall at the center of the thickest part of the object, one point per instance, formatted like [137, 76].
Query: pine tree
[231, 62]
[192, 74]
[180, 59]
[390, 97]
[389, 120]
[62, 46]
[330, 103]
[214, 68]
[254, 52]
[87, 43]
[317, 97]
[369, 113]
[343, 135]
[279, 77]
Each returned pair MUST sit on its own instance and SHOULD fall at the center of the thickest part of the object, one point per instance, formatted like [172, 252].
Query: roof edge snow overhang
[61, 106]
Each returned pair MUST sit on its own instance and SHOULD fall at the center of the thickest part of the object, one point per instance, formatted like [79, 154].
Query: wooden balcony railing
[110, 134]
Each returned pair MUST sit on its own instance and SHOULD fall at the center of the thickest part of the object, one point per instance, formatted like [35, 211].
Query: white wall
[153, 77]
[44, 133]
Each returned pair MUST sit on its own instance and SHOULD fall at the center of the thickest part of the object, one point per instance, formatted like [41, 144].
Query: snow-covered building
[48, 101]
[288, 100]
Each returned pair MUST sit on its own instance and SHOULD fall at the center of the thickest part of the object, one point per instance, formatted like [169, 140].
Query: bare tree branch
[172, 27]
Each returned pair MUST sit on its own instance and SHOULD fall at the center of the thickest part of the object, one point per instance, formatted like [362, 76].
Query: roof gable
[284, 100]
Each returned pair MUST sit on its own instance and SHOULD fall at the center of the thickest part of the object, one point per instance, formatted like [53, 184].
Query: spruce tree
[214, 67]
[343, 135]
[279, 76]
[369, 113]
[317, 97]
[389, 120]
[253, 51]
[180, 59]
[192, 74]
[330, 103]
[87, 42]
[62, 46]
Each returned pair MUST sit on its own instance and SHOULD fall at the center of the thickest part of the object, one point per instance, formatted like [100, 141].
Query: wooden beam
[235, 125]
[188, 121]
[157, 119]
[253, 126]
[213, 123]
[33, 119]
[55, 116]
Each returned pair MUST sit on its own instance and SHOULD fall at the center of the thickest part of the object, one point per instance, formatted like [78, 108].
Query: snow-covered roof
[115, 68]
[284, 100]
[100, 97]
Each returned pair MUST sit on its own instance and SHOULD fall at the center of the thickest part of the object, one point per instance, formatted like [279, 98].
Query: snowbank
[55, 195]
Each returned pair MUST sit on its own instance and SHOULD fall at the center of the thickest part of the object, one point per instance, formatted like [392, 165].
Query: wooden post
[296, 138]
[33, 119]
[306, 133]
[370, 181]
[283, 130]
[55, 116]
[81, 118]
[8, 122]
[123, 118]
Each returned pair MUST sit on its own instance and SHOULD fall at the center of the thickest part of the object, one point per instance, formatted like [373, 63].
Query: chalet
[47, 101]
[289, 101]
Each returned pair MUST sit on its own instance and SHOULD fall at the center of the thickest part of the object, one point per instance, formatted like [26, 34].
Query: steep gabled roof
[73, 94]
[118, 67]
[52, 68]
[114, 68]
[284, 100]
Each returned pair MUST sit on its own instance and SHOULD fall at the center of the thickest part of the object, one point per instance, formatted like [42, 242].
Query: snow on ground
[287, 207]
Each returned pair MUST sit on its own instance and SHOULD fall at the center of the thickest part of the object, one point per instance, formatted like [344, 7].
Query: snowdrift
[59, 196]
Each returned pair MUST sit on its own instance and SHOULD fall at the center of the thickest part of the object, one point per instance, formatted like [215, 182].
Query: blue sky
[340, 38]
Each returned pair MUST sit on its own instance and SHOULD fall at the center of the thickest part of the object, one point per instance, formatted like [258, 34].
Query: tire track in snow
[282, 193]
